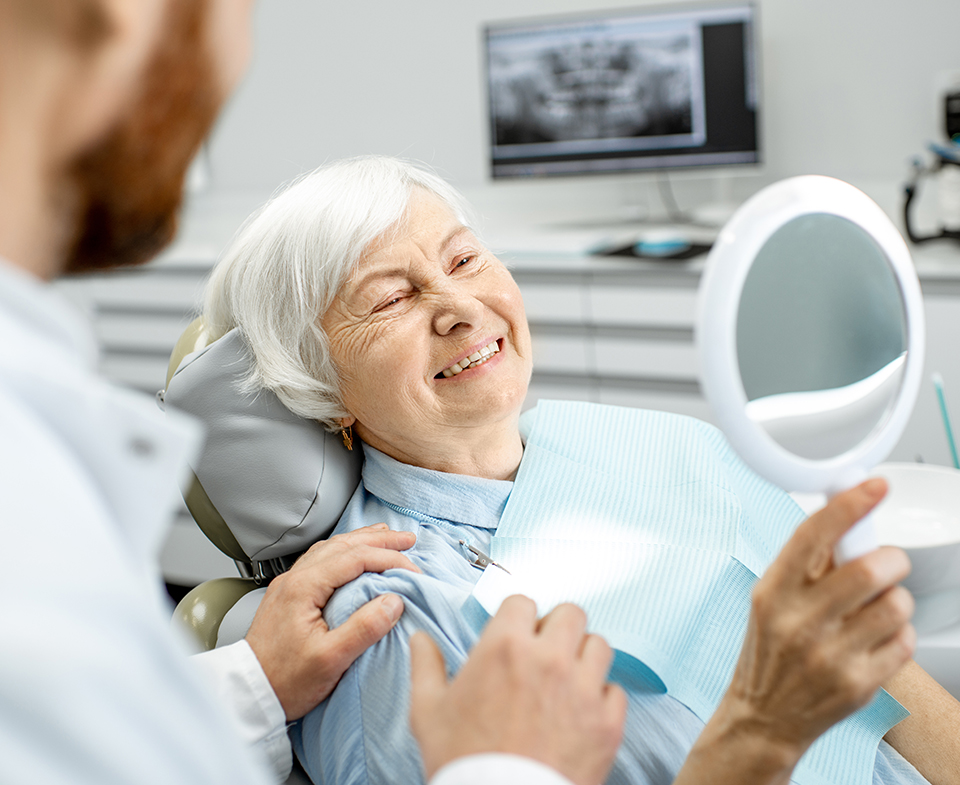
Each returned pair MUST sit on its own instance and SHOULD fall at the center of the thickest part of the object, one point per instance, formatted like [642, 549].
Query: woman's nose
[457, 309]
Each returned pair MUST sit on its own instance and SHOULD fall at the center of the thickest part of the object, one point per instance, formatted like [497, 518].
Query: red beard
[128, 189]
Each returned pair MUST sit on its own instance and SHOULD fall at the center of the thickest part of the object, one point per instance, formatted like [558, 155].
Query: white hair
[286, 264]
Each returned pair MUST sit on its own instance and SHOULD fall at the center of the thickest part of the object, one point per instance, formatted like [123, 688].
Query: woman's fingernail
[875, 486]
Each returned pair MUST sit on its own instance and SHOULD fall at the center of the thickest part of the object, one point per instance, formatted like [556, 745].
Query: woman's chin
[491, 388]
[490, 409]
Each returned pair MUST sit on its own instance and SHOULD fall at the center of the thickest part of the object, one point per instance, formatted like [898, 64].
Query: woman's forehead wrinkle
[454, 235]
[375, 265]
[394, 254]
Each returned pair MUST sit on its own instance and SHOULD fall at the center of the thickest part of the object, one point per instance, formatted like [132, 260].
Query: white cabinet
[621, 331]
[614, 331]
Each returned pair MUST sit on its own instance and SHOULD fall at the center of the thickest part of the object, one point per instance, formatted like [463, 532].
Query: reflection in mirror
[821, 336]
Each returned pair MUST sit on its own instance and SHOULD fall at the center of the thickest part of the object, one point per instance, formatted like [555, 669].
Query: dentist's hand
[820, 641]
[302, 658]
[528, 688]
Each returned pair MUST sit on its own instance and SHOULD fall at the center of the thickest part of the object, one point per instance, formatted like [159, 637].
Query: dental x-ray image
[583, 85]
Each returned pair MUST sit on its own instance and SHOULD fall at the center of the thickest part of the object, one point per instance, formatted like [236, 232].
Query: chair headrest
[279, 482]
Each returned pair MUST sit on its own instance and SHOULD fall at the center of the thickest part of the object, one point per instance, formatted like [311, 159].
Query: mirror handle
[862, 536]
[859, 540]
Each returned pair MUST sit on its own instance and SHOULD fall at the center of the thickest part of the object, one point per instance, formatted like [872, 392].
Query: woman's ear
[348, 421]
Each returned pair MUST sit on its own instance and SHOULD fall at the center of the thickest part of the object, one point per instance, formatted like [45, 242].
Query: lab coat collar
[133, 454]
[37, 308]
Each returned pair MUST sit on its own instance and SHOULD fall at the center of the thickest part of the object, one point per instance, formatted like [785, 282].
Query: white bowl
[921, 514]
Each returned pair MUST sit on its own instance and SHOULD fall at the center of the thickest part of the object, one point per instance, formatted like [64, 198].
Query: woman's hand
[534, 689]
[820, 641]
[302, 658]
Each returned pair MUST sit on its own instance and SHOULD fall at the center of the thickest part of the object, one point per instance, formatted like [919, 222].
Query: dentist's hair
[283, 269]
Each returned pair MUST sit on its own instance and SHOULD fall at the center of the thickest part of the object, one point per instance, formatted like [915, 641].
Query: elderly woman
[370, 305]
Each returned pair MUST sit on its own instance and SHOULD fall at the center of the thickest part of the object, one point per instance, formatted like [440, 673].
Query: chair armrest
[202, 610]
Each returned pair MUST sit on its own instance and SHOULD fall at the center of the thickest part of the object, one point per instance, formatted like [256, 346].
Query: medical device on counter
[945, 169]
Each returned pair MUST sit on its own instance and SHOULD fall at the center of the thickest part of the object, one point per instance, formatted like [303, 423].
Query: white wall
[849, 87]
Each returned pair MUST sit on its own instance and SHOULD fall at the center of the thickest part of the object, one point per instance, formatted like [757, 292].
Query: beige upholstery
[203, 609]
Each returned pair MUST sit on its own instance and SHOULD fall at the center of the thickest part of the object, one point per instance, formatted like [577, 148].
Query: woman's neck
[492, 452]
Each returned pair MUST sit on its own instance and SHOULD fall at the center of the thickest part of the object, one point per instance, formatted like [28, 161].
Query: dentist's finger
[515, 611]
[597, 657]
[371, 537]
[428, 675]
[365, 627]
[340, 561]
[564, 627]
[381, 536]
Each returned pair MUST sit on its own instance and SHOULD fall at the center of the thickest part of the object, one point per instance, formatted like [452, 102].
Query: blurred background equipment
[944, 169]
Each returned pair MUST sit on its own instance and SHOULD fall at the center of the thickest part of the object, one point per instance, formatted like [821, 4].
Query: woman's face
[430, 339]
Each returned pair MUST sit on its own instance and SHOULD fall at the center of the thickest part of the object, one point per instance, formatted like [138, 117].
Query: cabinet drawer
[643, 307]
[645, 359]
[560, 353]
[554, 302]
[149, 332]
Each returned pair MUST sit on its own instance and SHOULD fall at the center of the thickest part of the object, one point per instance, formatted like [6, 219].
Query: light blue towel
[660, 537]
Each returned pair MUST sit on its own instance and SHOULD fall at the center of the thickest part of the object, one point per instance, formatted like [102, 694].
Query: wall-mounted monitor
[628, 90]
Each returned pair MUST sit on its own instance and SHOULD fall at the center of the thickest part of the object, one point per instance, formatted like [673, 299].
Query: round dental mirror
[811, 334]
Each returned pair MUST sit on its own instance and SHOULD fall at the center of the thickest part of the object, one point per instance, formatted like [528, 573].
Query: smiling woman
[432, 348]
[367, 301]
[284, 270]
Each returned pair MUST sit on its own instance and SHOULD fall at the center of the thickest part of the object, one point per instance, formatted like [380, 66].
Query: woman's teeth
[479, 357]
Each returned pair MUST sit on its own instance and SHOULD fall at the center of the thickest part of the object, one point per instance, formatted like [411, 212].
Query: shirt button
[142, 447]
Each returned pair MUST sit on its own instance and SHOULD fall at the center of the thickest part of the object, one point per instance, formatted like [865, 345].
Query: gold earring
[347, 434]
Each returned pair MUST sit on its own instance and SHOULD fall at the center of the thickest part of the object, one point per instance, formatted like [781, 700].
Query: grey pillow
[280, 482]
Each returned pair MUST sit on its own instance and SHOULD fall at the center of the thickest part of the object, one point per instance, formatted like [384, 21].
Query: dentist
[103, 104]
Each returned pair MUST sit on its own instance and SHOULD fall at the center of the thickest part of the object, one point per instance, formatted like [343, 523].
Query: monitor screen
[623, 91]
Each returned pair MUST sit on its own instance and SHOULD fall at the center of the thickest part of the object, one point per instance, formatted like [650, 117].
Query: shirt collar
[457, 498]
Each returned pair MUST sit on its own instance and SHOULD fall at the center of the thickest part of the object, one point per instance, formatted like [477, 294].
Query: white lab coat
[93, 686]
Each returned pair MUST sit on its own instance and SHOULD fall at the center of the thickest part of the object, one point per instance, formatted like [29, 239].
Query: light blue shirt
[362, 729]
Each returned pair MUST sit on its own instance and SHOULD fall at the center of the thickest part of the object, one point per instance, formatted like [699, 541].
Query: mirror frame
[726, 270]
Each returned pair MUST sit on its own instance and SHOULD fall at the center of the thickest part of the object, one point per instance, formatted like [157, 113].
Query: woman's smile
[472, 360]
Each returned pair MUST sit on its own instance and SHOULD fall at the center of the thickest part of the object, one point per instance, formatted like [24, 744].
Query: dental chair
[266, 486]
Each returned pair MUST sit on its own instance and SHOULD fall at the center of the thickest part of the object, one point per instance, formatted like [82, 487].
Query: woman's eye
[389, 302]
[464, 260]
